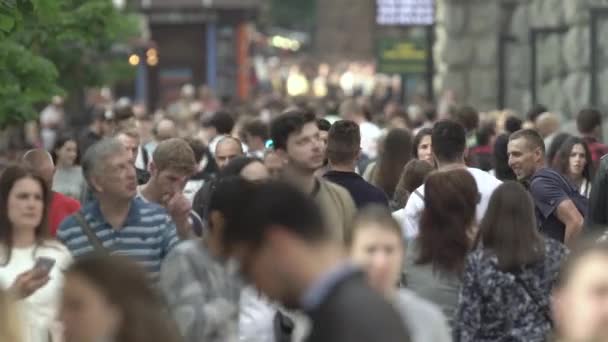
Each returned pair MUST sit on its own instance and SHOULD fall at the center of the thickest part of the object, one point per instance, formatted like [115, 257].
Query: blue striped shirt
[147, 235]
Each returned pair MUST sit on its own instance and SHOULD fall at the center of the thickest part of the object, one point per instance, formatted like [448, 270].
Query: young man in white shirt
[448, 144]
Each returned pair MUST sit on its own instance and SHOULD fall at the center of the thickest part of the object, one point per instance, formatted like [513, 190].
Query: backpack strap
[93, 239]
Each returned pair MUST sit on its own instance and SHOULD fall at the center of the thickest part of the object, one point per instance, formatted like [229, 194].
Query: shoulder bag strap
[419, 194]
[93, 239]
[534, 299]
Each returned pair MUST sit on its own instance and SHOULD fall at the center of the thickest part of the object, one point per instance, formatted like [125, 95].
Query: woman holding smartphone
[31, 262]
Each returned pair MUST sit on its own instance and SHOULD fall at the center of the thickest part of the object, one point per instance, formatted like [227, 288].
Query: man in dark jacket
[276, 233]
[597, 218]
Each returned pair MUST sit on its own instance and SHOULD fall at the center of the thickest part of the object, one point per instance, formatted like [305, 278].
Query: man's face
[227, 150]
[305, 148]
[131, 144]
[117, 177]
[581, 307]
[523, 159]
[274, 164]
[169, 182]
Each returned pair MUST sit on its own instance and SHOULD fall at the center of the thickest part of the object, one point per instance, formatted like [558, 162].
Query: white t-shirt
[486, 184]
[370, 134]
[38, 311]
[425, 320]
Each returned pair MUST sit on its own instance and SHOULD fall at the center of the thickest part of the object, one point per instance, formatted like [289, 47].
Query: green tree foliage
[50, 47]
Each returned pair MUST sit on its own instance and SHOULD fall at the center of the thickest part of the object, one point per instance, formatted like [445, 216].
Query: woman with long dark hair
[422, 147]
[435, 259]
[68, 179]
[573, 161]
[31, 262]
[109, 298]
[395, 152]
[509, 276]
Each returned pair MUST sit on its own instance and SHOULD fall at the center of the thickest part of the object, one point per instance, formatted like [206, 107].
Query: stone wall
[467, 48]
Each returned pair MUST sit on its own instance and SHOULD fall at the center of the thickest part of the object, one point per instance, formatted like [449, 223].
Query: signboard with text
[405, 12]
[401, 56]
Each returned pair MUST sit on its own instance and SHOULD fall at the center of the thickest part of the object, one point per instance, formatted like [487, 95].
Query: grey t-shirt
[70, 182]
[424, 320]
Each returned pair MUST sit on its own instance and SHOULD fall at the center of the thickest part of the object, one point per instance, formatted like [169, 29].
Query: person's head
[10, 326]
[395, 152]
[422, 148]
[574, 159]
[468, 117]
[256, 134]
[278, 232]
[172, 166]
[24, 198]
[547, 124]
[448, 142]
[509, 229]
[501, 158]
[535, 112]
[526, 151]
[109, 298]
[376, 243]
[580, 297]
[220, 123]
[413, 175]
[198, 148]
[65, 151]
[165, 129]
[324, 127]
[446, 224]
[227, 149]
[252, 169]
[554, 147]
[40, 161]
[589, 122]
[274, 164]
[297, 140]
[513, 124]
[130, 140]
[486, 134]
[108, 170]
[344, 144]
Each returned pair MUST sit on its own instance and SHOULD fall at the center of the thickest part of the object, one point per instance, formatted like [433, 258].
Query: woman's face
[577, 160]
[255, 172]
[25, 205]
[424, 149]
[67, 153]
[86, 314]
[380, 252]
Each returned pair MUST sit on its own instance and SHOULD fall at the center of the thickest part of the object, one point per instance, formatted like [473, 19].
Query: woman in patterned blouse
[508, 278]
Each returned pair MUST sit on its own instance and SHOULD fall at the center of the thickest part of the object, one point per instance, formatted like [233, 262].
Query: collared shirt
[147, 235]
[316, 294]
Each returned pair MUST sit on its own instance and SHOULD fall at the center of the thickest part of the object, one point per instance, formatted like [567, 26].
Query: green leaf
[6, 22]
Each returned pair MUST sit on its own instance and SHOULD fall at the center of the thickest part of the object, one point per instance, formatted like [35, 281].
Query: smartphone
[45, 264]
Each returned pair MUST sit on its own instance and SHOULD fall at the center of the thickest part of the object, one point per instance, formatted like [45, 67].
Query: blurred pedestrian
[117, 222]
[32, 262]
[509, 276]
[589, 124]
[377, 245]
[60, 206]
[343, 151]
[574, 162]
[10, 326]
[413, 176]
[370, 133]
[129, 138]
[226, 149]
[435, 259]
[256, 134]
[554, 148]
[296, 140]
[217, 126]
[423, 146]
[108, 298]
[68, 178]
[171, 166]
[502, 170]
[286, 251]
[273, 163]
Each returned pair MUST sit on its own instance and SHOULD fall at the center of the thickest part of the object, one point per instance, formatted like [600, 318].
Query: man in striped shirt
[117, 222]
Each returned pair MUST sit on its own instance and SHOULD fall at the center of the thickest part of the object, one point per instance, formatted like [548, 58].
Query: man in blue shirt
[557, 214]
[343, 151]
[116, 221]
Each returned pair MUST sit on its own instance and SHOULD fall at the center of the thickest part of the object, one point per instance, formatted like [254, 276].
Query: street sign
[405, 12]
[402, 56]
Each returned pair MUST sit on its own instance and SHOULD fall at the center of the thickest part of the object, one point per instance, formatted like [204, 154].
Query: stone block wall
[467, 47]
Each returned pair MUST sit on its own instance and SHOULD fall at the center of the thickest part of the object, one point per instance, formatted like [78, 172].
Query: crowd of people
[305, 225]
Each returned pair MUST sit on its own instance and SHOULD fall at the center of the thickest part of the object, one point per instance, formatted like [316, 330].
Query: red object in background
[61, 207]
[243, 81]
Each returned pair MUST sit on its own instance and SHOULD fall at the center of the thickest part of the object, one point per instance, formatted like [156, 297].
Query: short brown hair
[131, 132]
[343, 142]
[532, 137]
[174, 154]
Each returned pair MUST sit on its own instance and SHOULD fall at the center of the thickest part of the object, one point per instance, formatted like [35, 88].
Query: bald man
[547, 125]
[227, 149]
[61, 206]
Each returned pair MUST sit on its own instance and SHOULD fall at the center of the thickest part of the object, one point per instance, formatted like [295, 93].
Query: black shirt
[362, 192]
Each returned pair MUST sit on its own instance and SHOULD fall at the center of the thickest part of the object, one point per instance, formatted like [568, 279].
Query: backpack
[580, 202]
